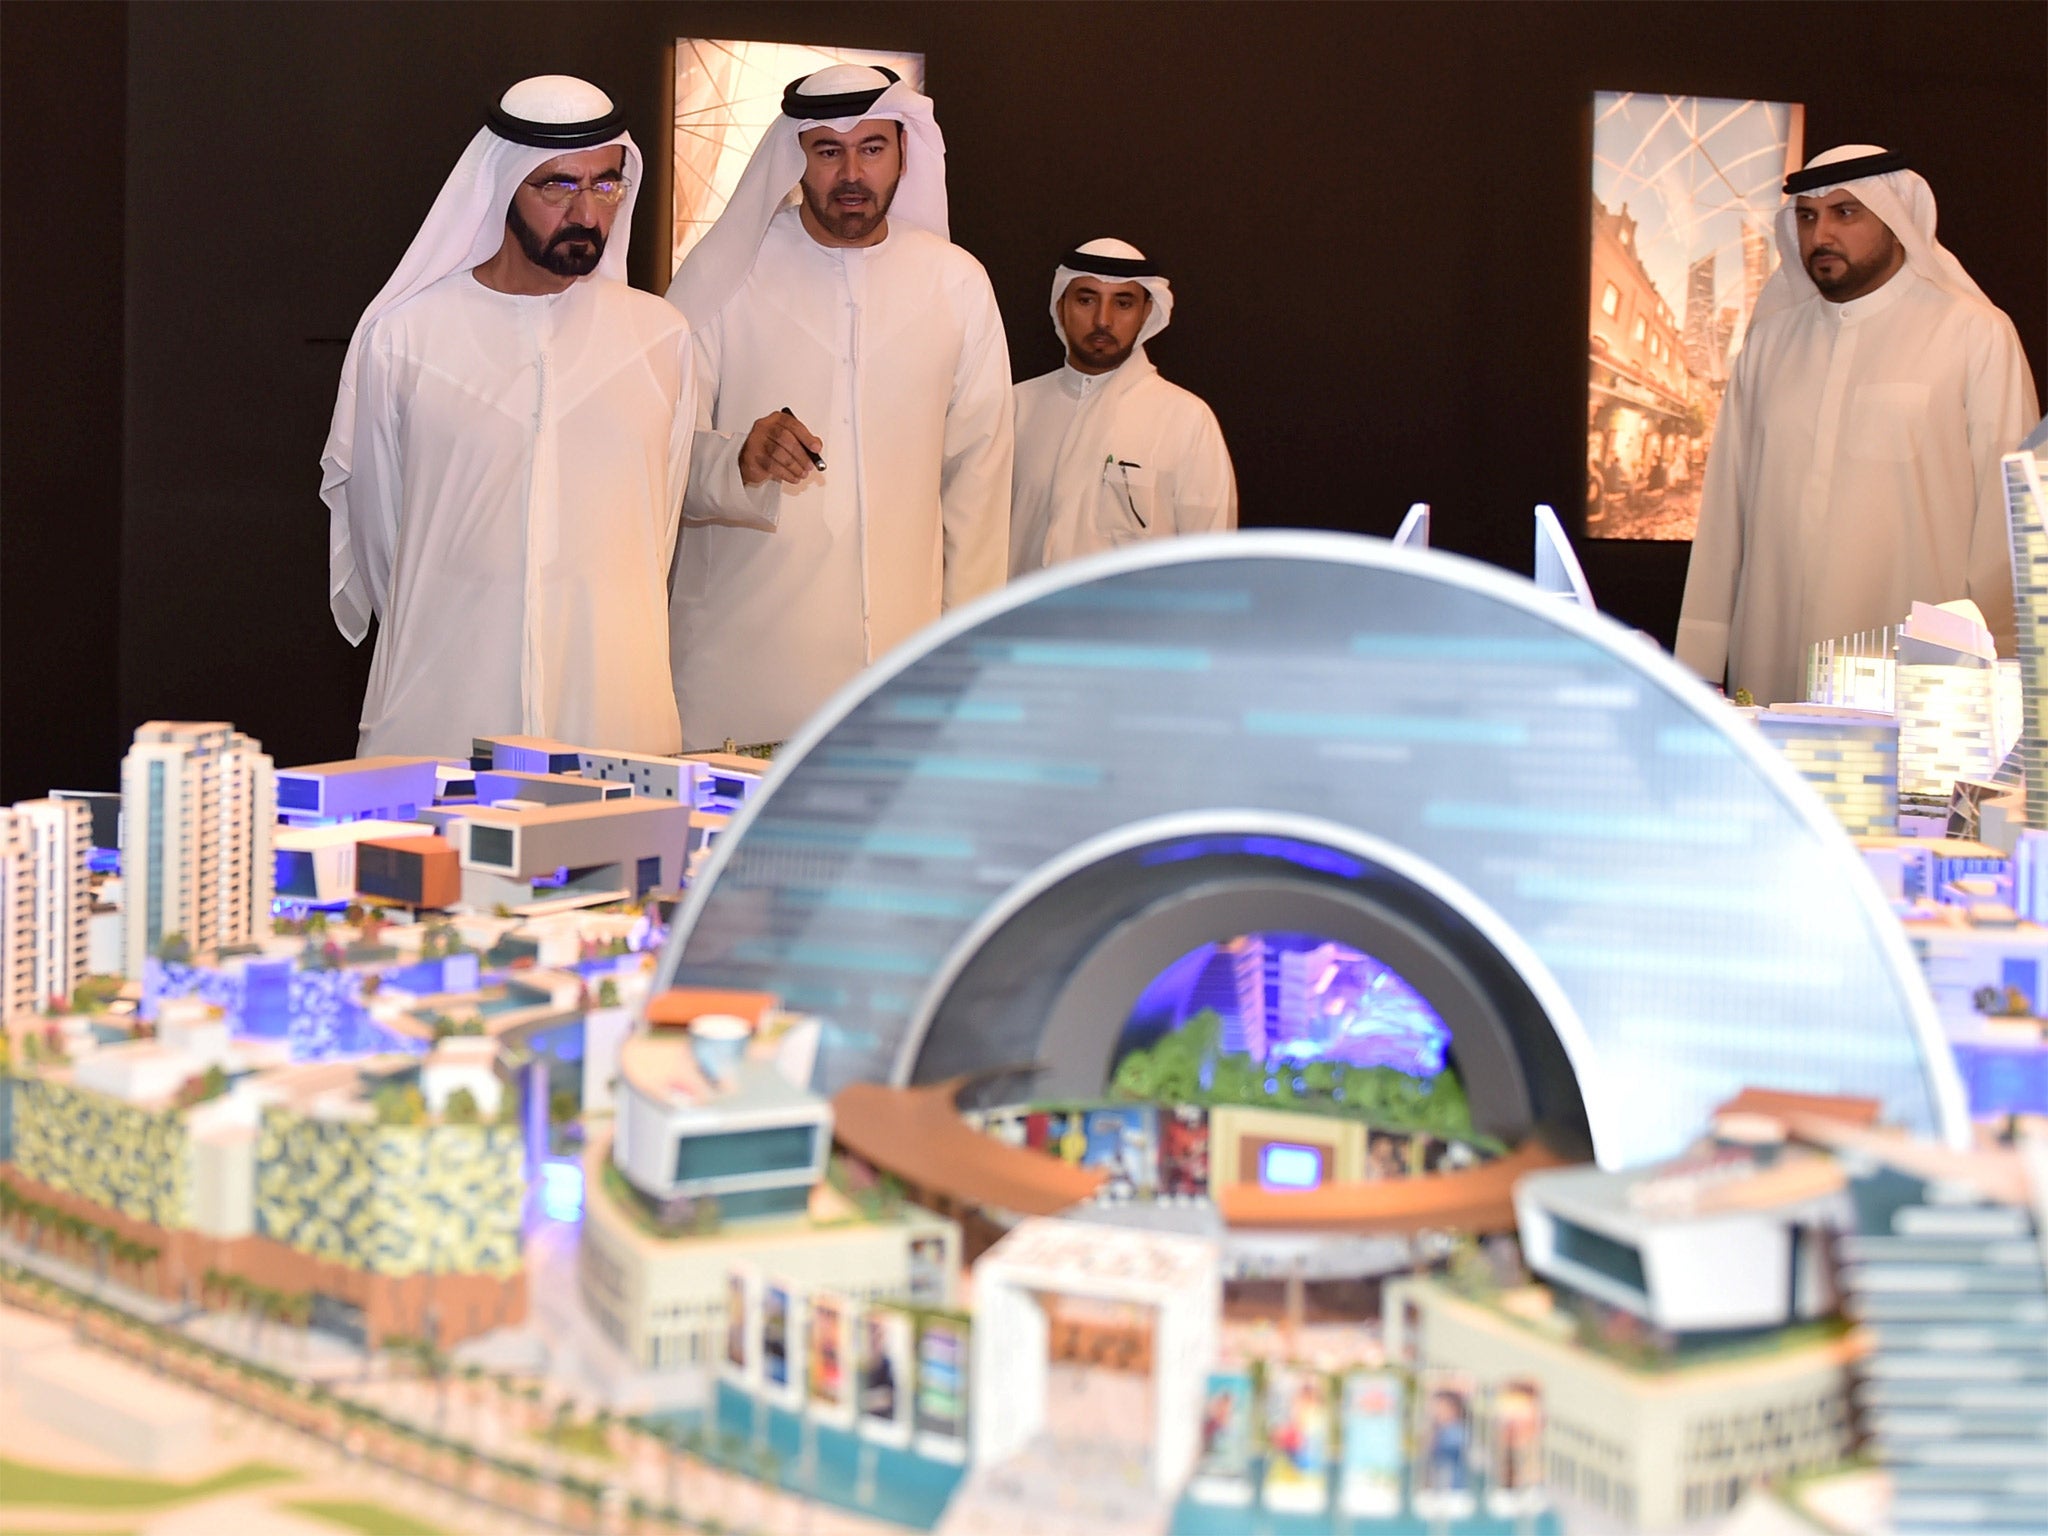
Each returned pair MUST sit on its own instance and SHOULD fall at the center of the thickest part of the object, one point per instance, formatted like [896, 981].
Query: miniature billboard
[1374, 1458]
[742, 1328]
[1298, 1436]
[884, 1364]
[1443, 1446]
[1223, 1464]
[829, 1374]
[942, 1387]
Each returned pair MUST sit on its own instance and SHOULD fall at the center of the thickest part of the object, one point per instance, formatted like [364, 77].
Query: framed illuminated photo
[727, 93]
[1684, 192]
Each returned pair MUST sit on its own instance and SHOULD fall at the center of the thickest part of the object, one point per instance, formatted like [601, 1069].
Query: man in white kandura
[851, 478]
[505, 469]
[1108, 452]
[1855, 464]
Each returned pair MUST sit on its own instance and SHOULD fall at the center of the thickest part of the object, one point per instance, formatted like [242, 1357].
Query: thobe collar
[1855, 311]
[1083, 385]
[794, 213]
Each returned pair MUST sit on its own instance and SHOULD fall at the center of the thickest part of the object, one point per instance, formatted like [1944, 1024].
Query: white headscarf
[464, 229]
[719, 263]
[1118, 261]
[1901, 198]
[1091, 440]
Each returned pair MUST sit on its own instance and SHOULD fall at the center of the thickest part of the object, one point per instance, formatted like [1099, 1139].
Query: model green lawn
[24, 1483]
[371, 1519]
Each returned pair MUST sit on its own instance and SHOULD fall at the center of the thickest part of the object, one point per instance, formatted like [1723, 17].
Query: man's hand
[775, 449]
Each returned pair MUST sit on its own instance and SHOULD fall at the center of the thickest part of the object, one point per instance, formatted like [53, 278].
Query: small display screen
[1283, 1165]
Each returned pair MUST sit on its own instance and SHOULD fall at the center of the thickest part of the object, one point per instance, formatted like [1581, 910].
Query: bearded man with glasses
[510, 443]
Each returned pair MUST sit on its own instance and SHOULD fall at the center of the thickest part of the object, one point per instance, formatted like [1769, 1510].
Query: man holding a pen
[850, 478]
[1108, 452]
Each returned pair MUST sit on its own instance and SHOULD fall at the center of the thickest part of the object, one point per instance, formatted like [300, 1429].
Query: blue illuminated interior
[561, 1190]
[1304, 855]
[1291, 1000]
[1284, 1165]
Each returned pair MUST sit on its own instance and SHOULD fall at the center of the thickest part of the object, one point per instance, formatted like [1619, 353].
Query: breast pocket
[1133, 502]
[1886, 422]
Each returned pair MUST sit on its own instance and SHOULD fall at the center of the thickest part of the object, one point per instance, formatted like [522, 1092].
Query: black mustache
[570, 232]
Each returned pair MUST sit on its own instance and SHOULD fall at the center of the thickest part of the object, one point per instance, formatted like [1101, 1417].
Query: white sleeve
[372, 496]
[1204, 484]
[974, 488]
[716, 493]
[2001, 410]
[682, 437]
[1710, 577]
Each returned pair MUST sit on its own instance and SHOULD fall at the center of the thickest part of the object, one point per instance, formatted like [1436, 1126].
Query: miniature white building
[1177, 1277]
[658, 778]
[589, 854]
[389, 788]
[749, 1138]
[463, 1061]
[191, 1037]
[1680, 1247]
[662, 1300]
[1851, 757]
[17, 920]
[198, 807]
[1946, 726]
[1651, 1449]
[60, 843]
[318, 863]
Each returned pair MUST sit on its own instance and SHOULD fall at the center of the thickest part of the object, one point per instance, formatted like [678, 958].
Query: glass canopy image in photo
[1684, 190]
[727, 93]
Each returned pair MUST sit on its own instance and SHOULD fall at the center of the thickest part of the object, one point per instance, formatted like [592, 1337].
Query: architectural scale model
[1276, 1033]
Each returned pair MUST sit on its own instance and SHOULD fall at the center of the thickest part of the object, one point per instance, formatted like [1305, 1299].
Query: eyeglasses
[560, 192]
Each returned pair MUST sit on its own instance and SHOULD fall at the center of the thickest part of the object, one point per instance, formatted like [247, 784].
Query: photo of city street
[1684, 190]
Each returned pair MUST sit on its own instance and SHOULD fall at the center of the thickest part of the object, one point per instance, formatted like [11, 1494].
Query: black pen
[820, 463]
[1125, 466]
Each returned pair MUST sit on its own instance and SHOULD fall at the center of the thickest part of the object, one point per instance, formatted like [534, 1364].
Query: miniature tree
[461, 1109]
[399, 1104]
[174, 949]
[608, 993]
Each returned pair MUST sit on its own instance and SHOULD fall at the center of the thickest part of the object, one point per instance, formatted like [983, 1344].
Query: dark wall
[63, 136]
[1374, 217]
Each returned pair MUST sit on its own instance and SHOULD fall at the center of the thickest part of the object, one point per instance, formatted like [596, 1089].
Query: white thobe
[892, 354]
[1108, 459]
[517, 481]
[1854, 471]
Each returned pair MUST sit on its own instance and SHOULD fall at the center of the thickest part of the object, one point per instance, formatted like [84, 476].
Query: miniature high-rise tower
[2028, 517]
[57, 838]
[198, 806]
